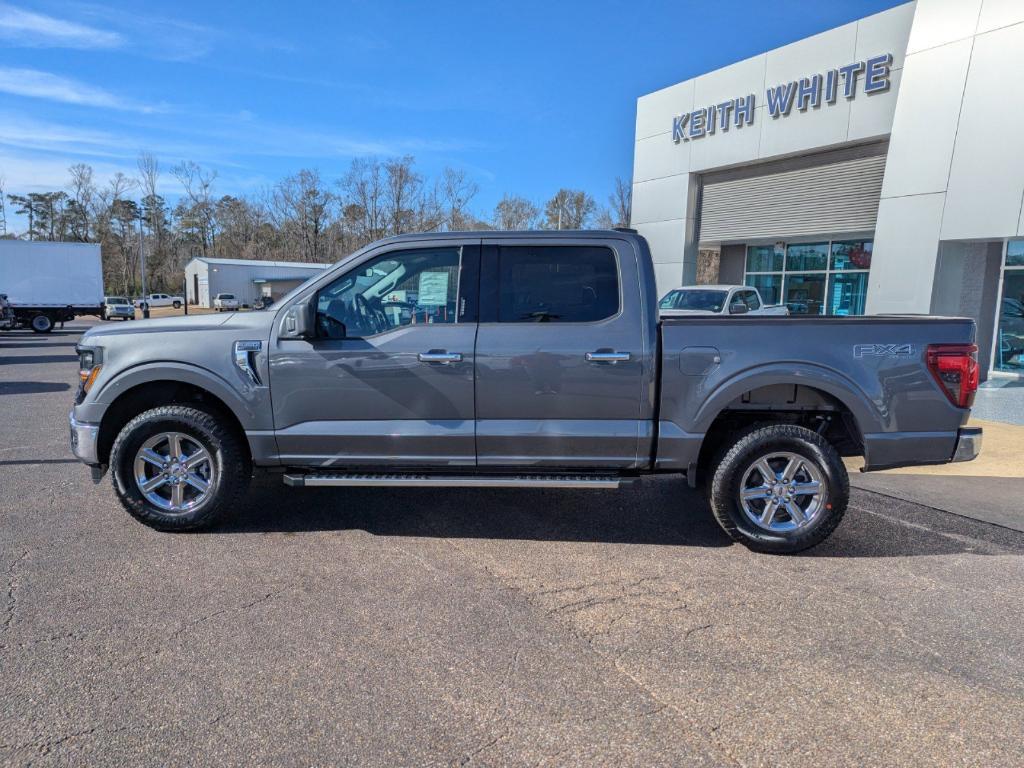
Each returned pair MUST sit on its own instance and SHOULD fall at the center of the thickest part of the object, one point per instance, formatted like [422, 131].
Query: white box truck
[48, 283]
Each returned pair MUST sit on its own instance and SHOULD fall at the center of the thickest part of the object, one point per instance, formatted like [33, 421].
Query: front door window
[414, 287]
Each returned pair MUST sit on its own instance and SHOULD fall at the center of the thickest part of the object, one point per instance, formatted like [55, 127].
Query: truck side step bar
[421, 480]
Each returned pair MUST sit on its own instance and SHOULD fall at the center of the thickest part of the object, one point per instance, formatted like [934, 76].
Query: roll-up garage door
[830, 193]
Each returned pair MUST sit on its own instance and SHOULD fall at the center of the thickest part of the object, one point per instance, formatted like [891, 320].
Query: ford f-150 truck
[518, 360]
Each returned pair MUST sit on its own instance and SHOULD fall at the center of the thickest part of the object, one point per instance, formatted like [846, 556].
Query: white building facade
[876, 167]
[247, 279]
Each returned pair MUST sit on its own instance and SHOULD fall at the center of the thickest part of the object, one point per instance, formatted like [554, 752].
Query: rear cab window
[557, 284]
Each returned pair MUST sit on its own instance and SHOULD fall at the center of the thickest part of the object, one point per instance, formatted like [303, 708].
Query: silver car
[117, 306]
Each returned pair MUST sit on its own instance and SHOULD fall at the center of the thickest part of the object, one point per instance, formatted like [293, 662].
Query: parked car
[717, 300]
[519, 360]
[117, 306]
[263, 302]
[159, 300]
[225, 302]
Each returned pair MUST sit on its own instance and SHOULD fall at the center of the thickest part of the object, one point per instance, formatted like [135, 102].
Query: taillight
[955, 368]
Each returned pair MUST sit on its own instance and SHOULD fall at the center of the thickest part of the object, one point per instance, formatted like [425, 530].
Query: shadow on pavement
[37, 359]
[31, 387]
[664, 512]
[29, 462]
[35, 344]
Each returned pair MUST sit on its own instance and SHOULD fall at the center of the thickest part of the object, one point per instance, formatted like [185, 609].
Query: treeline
[301, 218]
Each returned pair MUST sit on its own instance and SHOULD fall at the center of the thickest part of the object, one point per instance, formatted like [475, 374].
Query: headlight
[89, 366]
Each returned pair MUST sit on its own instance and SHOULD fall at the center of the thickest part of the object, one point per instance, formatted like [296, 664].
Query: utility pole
[142, 261]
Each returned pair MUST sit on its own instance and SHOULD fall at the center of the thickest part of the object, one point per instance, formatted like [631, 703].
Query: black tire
[42, 323]
[728, 473]
[177, 305]
[229, 455]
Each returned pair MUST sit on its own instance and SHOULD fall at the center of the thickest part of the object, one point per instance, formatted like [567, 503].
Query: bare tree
[457, 192]
[513, 212]
[403, 189]
[3, 209]
[568, 209]
[198, 186]
[81, 207]
[302, 208]
[362, 192]
[621, 202]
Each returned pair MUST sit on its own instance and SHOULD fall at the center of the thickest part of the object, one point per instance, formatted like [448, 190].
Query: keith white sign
[823, 89]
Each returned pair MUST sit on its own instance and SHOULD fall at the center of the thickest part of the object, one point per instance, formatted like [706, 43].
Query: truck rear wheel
[41, 323]
[780, 489]
[177, 468]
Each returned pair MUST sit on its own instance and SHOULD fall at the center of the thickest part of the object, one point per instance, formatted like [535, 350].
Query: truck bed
[870, 371]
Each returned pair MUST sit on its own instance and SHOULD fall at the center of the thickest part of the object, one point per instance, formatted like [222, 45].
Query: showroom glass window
[822, 278]
[1009, 349]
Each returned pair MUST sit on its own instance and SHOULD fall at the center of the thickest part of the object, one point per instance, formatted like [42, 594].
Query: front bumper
[120, 312]
[84, 439]
[968, 444]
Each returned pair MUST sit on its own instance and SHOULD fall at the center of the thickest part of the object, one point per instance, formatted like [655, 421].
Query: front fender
[250, 404]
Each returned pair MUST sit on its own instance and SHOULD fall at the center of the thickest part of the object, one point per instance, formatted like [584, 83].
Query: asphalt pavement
[387, 627]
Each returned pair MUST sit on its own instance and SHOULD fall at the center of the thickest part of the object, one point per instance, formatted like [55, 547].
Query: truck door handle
[440, 356]
[607, 357]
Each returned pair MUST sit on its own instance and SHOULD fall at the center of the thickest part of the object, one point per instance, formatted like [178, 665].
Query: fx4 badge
[883, 350]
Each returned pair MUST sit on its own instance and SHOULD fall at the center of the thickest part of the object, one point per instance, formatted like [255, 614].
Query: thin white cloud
[29, 29]
[36, 84]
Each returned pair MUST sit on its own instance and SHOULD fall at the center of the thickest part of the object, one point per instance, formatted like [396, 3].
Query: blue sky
[525, 96]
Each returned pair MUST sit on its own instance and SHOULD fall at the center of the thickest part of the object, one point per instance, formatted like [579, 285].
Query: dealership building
[877, 167]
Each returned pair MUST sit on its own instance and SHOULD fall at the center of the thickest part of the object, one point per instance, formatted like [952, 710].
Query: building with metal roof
[247, 279]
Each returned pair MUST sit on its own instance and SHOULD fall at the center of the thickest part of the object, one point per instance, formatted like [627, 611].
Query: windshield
[117, 300]
[708, 301]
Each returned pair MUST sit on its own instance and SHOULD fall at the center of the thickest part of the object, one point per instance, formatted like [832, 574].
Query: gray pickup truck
[518, 359]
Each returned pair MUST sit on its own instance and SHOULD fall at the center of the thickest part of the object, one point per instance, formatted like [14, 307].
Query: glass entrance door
[1009, 351]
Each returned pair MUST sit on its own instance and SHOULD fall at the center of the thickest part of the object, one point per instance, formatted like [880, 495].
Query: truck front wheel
[178, 468]
[780, 489]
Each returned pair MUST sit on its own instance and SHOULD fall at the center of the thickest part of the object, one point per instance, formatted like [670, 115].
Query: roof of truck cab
[569, 234]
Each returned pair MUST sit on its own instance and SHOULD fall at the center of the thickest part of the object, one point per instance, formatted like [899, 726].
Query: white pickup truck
[159, 300]
[717, 300]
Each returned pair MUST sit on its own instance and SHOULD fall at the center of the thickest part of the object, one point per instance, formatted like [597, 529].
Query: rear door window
[557, 284]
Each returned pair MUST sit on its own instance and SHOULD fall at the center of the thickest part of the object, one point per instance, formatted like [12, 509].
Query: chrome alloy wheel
[782, 492]
[174, 471]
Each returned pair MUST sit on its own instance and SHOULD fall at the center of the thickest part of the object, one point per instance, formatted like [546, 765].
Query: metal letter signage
[812, 92]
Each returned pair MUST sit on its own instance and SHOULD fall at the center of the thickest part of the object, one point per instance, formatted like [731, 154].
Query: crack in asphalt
[12, 587]
[220, 612]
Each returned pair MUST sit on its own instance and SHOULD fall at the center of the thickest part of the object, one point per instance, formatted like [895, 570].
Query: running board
[410, 480]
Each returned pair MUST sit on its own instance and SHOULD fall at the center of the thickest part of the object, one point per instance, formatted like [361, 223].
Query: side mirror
[738, 308]
[299, 321]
